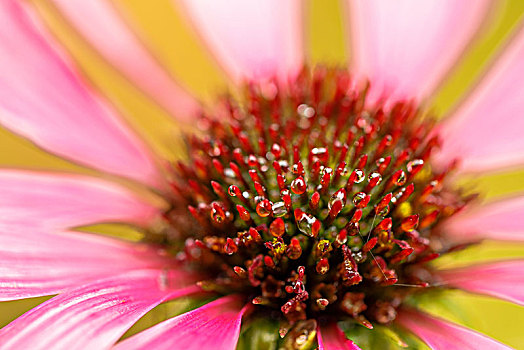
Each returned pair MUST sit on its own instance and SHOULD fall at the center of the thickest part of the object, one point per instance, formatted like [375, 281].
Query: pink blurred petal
[331, 337]
[43, 100]
[250, 39]
[56, 201]
[104, 28]
[93, 316]
[36, 263]
[213, 326]
[498, 220]
[487, 131]
[440, 334]
[503, 280]
[405, 47]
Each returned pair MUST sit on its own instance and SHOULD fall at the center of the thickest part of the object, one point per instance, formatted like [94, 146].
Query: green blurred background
[173, 41]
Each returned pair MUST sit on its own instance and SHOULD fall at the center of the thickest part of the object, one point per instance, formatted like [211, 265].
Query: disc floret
[309, 200]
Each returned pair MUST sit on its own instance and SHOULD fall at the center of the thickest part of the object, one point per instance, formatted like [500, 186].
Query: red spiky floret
[310, 200]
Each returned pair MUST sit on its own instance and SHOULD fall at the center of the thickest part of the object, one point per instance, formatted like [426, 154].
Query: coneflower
[315, 198]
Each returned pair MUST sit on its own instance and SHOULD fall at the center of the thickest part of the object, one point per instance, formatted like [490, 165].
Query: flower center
[310, 201]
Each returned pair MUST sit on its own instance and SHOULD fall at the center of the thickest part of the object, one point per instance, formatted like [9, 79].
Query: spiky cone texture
[311, 201]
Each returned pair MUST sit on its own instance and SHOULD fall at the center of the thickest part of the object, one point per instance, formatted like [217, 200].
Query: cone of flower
[315, 197]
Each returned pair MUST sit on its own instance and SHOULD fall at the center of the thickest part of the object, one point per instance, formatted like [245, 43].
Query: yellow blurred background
[173, 41]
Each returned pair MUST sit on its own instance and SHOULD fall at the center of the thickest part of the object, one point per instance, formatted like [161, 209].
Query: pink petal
[250, 39]
[440, 334]
[102, 26]
[213, 326]
[499, 220]
[405, 47]
[36, 263]
[93, 316]
[331, 337]
[43, 100]
[56, 201]
[503, 280]
[487, 131]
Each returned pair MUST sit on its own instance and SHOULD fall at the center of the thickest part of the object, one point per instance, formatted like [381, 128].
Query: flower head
[313, 210]
[315, 198]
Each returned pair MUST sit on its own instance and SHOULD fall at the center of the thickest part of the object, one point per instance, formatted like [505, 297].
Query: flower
[105, 285]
